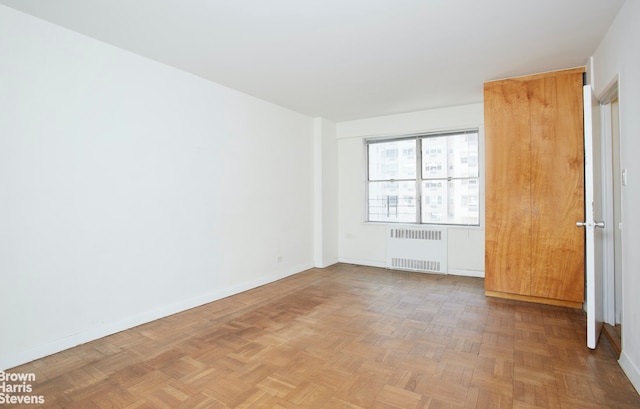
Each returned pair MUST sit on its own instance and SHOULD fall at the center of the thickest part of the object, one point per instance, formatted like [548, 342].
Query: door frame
[609, 301]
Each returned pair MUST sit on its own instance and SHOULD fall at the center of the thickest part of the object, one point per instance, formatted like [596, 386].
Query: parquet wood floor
[344, 337]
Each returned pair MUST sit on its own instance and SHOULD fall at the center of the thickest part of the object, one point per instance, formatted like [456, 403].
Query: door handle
[595, 224]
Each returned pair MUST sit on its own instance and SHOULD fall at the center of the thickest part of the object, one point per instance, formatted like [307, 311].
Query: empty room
[319, 204]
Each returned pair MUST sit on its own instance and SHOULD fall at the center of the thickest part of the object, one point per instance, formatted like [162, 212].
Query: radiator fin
[416, 234]
[409, 264]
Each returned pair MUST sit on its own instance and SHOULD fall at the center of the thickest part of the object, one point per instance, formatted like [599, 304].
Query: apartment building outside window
[429, 179]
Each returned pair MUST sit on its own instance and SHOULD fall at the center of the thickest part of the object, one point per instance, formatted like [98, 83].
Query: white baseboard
[91, 334]
[466, 273]
[631, 370]
[328, 263]
[369, 263]
[383, 264]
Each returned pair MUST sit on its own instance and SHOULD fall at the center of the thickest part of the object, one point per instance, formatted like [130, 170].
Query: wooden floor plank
[345, 337]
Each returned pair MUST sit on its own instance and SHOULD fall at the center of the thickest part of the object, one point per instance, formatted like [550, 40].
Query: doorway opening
[612, 173]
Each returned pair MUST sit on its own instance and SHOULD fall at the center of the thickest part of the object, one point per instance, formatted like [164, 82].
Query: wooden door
[557, 183]
[593, 223]
[507, 187]
[534, 188]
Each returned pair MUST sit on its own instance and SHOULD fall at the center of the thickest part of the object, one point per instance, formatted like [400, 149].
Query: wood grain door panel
[557, 181]
[507, 191]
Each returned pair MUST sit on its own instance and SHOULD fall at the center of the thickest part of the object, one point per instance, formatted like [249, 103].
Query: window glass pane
[453, 155]
[447, 182]
[392, 160]
[451, 202]
[434, 157]
[392, 202]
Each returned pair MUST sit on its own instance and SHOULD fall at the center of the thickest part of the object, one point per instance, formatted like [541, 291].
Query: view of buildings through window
[430, 179]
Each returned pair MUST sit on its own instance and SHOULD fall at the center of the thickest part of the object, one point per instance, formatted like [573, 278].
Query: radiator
[417, 249]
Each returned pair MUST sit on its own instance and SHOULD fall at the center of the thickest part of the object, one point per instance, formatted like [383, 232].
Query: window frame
[420, 178]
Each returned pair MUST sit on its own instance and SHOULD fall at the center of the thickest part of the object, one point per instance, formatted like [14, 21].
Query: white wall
[364, 243]
[326, 193]
[619, 55]
[130, 190]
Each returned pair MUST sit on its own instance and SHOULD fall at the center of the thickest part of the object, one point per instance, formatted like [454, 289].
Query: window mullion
[418, 180]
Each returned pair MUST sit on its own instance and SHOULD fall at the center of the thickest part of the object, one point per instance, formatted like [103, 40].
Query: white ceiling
[346, 59]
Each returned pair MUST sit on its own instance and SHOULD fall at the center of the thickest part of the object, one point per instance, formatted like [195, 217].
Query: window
[431, 178]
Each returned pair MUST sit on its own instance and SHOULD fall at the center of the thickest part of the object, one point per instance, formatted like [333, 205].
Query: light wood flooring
[344, 337]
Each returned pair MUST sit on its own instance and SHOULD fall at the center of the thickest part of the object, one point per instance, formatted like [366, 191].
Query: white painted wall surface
[619, 55]
[326, 193]
[364, 243]
[330, 193]
[130, 190]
